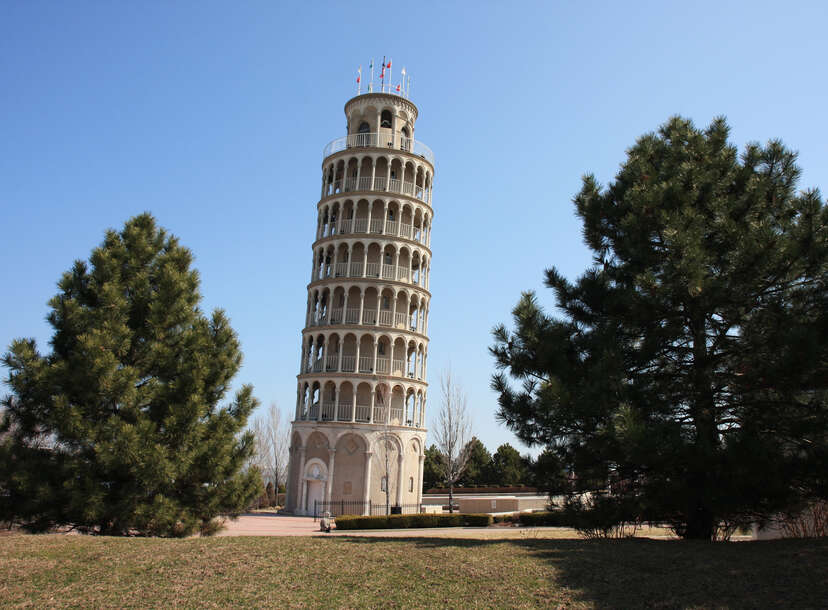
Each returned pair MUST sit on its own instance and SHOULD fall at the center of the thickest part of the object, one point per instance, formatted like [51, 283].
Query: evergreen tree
[507, 467]
[688, 370]
[118, 429]
[478, 467]
[547, 473]
[432, 468]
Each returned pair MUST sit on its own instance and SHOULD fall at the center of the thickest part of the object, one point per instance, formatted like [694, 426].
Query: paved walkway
[272, 524]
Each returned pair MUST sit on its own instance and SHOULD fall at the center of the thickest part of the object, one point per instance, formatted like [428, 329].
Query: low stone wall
[490, 503]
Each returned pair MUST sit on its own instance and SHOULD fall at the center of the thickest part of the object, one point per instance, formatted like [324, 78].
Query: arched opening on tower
[363, 137]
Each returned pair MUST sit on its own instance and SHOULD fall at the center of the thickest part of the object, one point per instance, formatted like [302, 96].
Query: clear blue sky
[213, 116]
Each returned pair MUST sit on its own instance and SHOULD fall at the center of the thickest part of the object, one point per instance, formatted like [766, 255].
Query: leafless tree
[452, 432]
[272, 433]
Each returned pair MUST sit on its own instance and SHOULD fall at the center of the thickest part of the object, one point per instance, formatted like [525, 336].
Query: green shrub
[353, 522]
[507, 518]
[603, 516]
[544, 518]
[478, 520]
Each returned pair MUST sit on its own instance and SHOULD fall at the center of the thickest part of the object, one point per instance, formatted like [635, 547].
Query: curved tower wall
[359, 423]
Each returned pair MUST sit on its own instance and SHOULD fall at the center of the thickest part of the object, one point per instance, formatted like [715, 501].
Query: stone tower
[358, 437]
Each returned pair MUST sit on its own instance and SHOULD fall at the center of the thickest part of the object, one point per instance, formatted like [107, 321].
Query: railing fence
[357, 507]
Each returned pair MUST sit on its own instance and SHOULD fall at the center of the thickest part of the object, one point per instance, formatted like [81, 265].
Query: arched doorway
[315, 479]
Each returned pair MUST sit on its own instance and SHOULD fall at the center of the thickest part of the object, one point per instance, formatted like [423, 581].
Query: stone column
[329, 308]
[356, 357]
[353, 404]
[303, 488]
[366, 482]
[329, 485]
[400, 478]
[420, 479]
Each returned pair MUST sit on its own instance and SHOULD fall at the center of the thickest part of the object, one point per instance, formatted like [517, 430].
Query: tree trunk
[451, 498]
[701, 522]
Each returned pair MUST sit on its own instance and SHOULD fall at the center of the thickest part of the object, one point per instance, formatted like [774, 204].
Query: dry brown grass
[62, 571]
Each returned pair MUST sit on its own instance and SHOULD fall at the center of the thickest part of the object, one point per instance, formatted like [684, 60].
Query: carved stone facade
[359, 426]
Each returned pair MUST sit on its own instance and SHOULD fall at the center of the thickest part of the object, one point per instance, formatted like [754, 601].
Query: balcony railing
[394, 186]
[400, 273]
[403, 321]
[350, 226]
[361, 414]
[379, 140]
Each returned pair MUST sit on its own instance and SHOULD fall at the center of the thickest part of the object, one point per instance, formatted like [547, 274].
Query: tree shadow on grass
[671, 573]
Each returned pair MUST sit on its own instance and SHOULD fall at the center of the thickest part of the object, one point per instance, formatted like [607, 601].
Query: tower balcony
[377, 185]
[411, 369]
[370, 317]
[374, 226]
[390, 140]
[347, 411]
[372, 270]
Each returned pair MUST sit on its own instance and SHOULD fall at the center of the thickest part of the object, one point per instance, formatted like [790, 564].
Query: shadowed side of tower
[358, 436]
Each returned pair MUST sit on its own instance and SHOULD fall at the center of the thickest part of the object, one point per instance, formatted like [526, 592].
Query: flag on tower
[359, 74]
[371, 82]
[389, 64]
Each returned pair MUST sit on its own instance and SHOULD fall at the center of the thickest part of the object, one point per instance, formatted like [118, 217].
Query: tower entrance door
[316, 477]
[316, 493]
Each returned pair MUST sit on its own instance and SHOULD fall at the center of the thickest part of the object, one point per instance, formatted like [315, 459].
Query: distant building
[359, 427]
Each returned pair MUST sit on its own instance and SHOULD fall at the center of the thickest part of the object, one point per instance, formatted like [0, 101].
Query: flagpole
[371, 82]
[382, 76]
[359, 81]
[390, 80]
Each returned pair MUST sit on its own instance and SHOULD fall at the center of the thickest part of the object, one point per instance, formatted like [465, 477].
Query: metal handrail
[379, 140]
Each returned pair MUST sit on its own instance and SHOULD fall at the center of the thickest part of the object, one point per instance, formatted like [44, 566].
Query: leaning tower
[358, 436]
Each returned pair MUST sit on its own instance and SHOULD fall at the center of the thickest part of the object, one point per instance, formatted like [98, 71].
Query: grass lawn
[56, 571]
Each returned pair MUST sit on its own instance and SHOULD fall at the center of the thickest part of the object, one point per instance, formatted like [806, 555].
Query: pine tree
[508, 468]
[689, 368]
[478, 465]
[432, 468]
[119, 430]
